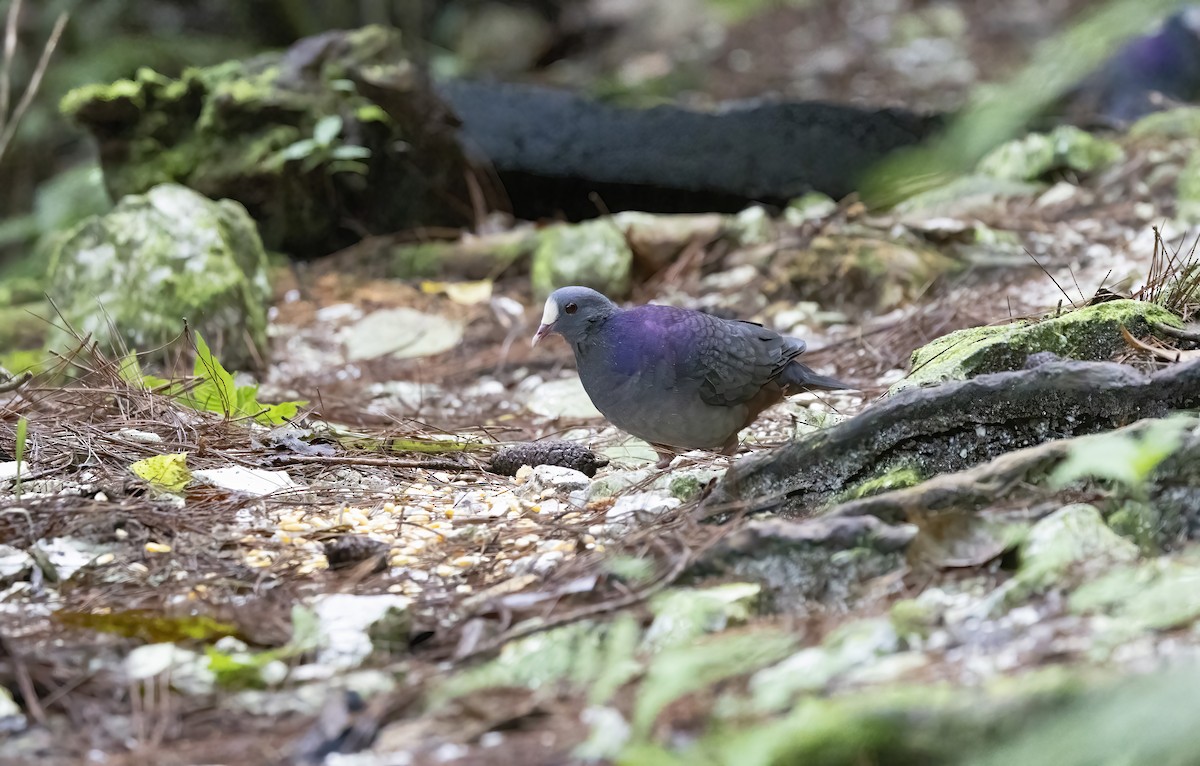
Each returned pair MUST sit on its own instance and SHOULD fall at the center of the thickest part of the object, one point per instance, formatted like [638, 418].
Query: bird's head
[572, 312]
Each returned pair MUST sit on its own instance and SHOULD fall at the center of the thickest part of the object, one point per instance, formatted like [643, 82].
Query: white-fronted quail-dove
[677, 378]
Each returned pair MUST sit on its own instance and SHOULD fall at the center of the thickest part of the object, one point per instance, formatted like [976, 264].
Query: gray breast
[673, 416]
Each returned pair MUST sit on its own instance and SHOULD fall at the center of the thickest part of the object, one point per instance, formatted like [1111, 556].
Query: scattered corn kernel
[153, 547]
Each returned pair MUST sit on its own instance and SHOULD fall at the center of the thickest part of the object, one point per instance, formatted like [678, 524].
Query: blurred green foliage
[106, 40]
[999, 112]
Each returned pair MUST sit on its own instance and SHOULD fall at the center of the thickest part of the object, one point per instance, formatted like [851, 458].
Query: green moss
[1039, 154]
[420, 260]
[894, 478]
[1139, 522]
[156, 259]
[1091, 333]
[1162, 594]
[219, 131]
[78, 99]
[686, 487]
[911, 617]
[593, 253]
[1183, 122]
[864, 270]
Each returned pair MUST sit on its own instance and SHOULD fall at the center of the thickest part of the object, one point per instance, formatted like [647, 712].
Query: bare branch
[10, 52]
[35, 82]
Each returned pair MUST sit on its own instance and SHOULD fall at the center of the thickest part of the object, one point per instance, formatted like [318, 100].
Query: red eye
[570, 308]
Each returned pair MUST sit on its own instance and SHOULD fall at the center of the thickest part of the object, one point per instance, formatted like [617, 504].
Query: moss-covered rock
[1092, 333]
[132, 276]
[1040, 154]
[1183, 122]
[333, 138]
[1074, 536]
[594, 254]
[862, 270]
[1162, 594]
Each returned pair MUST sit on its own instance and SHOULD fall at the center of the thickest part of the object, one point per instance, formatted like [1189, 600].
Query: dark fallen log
[557, 153]
[952, 427]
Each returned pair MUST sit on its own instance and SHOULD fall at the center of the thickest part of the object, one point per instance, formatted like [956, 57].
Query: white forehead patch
[550, 313]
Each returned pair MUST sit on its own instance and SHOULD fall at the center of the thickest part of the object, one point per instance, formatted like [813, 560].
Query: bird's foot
[664, 458]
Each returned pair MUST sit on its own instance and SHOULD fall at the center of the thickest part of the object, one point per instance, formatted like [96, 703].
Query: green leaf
[239, 670]
[296, 151]
[19, 449]
[349, 166]
[688, 668]
[278, 414]
[1125, 458]
[350, 152]
[130, 370]
[217, 392]
[166, 472]
[327, 129]
[306, 630]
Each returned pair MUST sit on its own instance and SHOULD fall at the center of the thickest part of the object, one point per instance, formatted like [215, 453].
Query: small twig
[13, 382]
[1167, 355]
[382, 462]
[10, 52]
[1052, 279]
[35, 81]
[24, 681]
[1175, 332]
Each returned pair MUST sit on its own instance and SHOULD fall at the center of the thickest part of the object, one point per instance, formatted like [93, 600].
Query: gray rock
[635, 509]
[593, 253]
[801, 563]
[131, 277]
[351, 625]
[563, 398]
[1072, 536]
[401, 333]
[556, 480]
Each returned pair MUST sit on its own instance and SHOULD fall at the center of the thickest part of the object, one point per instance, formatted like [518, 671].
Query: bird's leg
[730, 447]
[665, 455]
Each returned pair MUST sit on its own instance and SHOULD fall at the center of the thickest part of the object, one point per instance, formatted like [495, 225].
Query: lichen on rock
[593, 253]
[1092, 333]
[1039, 154]
[862, 269]
[293, 136]
[130, 278]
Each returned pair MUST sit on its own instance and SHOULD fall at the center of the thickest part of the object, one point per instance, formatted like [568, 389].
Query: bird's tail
[797, 377]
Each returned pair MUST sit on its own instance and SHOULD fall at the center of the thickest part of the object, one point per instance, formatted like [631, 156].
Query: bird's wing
[734, 360]
[726, 362]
